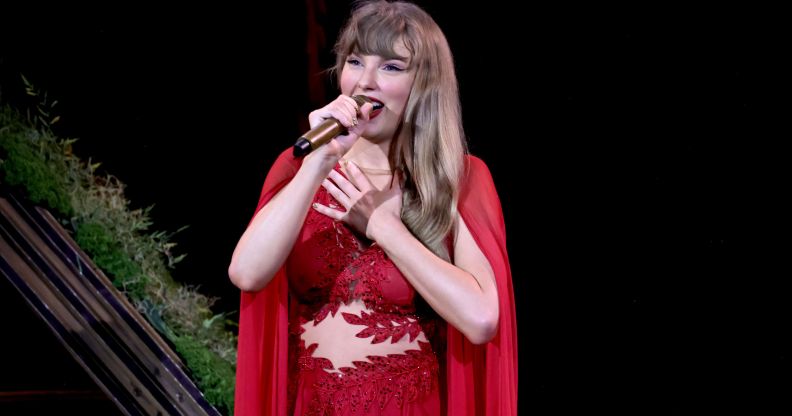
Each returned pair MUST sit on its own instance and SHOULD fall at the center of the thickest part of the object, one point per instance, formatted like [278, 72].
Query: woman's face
[387, 82]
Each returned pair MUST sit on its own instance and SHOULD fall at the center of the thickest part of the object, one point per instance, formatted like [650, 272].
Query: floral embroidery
[401, 377]
[340, 247]
[306, 361]
[345, 270]
[382, 326]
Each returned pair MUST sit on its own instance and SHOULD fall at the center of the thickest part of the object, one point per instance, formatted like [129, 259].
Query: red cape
[480, 379]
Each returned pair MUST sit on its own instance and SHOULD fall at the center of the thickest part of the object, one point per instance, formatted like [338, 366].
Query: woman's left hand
[367, 208]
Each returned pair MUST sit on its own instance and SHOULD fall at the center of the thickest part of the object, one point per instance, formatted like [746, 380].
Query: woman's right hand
[354, 119]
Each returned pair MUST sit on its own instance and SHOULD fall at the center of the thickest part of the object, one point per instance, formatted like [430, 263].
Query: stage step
[112, 342]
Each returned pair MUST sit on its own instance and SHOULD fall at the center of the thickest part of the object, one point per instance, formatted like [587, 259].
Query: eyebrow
[394, 57]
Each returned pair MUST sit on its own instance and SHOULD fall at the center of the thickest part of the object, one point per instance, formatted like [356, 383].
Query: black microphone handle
[324, 131]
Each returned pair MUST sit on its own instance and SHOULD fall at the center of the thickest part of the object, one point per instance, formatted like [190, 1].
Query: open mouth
[378, 106]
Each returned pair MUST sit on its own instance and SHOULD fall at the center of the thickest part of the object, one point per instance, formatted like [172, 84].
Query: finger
[352, 103]
[346, 115]
[358, 178]
[365, 110]
[354, 111]
[324, 210]
[344, 184]
[346, 141]
[341, 110]
[340, 196]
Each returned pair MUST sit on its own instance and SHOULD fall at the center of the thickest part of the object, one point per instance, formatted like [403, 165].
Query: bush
[93, 208]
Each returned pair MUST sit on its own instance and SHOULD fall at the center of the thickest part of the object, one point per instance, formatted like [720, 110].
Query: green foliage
[117, 238]
[35, 160]
[215, 375]
[106, 252]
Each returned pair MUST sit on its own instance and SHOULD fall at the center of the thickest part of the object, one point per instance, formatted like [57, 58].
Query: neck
[368, 155]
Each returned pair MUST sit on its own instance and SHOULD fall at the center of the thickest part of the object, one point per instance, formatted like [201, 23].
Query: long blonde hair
[429, 146]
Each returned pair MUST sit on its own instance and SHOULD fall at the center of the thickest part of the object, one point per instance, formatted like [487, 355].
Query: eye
[393, 67]
[353, 61]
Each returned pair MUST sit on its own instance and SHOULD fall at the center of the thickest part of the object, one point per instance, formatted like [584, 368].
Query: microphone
[324, 132]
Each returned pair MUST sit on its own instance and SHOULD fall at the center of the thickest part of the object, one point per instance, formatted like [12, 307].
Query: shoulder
[476, 173]
[477, 188]
[282, 170]
[286, 157]
[286, 163]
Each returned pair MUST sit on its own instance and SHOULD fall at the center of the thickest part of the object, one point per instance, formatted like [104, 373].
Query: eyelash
[392, 67]
[389, 67]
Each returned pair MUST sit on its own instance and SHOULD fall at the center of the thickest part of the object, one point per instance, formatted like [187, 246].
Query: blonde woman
[374, 273]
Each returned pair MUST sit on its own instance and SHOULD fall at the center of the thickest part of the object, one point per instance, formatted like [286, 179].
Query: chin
[373, 138]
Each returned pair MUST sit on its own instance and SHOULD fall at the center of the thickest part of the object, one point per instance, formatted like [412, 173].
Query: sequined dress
[346, 294]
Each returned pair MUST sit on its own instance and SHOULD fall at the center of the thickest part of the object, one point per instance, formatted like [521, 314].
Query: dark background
[632, 150]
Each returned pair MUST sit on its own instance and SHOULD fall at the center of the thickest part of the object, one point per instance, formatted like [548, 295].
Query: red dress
[328, 269]
[440, 372]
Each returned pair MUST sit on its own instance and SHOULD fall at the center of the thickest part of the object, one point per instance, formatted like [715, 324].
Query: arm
[270, 236]
[464, 293]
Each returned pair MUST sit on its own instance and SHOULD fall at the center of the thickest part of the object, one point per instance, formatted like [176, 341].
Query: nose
[368, 78]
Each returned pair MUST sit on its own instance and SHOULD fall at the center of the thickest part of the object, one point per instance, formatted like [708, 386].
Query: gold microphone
[324, 131]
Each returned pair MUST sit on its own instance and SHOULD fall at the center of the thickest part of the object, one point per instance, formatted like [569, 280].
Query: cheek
[347, 83]
[399, 95]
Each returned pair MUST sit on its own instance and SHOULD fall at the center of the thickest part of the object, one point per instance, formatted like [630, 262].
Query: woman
[374, 273]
